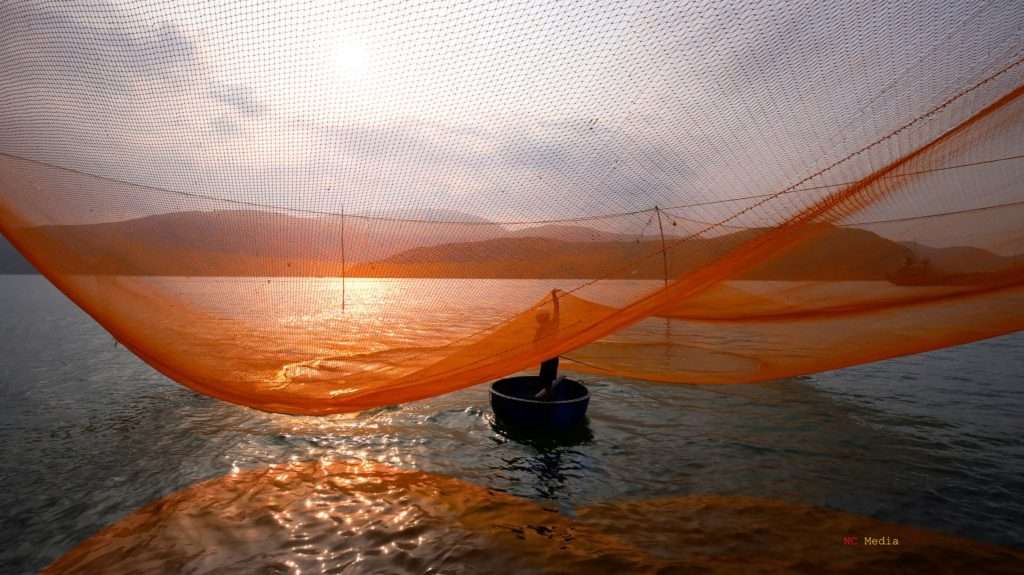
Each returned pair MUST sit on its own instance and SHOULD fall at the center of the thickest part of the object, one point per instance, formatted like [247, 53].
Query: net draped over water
[316, 207]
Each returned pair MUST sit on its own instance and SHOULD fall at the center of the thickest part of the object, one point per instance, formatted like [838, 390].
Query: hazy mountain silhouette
[243, 242]
[249, 242]
[837, 254]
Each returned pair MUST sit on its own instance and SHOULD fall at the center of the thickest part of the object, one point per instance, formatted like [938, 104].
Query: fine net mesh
[311, 207]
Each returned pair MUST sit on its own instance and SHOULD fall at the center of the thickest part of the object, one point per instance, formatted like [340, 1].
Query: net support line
[343, 274]
[664, 268]
[664, 249]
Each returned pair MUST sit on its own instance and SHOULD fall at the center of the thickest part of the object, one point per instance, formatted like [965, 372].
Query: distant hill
[244, 242]
[250, 242]
[837, 254]
[11, 261]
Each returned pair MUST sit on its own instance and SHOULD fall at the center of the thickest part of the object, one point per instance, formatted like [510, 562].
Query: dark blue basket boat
[514, 404]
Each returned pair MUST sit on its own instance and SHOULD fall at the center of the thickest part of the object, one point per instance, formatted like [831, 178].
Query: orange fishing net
[312, 208]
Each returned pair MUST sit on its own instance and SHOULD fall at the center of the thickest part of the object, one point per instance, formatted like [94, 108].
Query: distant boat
[914, 271]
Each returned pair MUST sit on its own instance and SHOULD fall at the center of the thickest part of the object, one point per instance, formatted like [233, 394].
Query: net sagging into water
[310, 207]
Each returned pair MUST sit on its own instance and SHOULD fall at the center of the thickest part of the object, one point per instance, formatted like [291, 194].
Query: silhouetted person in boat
[547, 325]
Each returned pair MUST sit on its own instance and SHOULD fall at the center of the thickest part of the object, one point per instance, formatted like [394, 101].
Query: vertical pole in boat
[342, 258]
[664, 252]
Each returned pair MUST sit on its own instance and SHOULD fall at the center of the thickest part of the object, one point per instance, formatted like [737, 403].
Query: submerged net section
[318, 516]
[311, 208]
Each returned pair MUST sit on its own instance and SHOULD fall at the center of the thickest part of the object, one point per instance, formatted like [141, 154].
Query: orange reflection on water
[344, 517]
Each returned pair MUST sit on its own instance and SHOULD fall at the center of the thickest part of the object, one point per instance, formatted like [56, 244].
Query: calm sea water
[88, 433]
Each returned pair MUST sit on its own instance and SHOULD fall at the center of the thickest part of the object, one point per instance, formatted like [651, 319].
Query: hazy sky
[499, 109]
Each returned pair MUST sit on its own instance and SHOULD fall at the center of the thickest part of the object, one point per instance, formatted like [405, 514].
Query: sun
[351, 59]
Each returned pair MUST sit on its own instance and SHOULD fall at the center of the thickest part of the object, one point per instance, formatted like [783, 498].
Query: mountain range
[242, 242]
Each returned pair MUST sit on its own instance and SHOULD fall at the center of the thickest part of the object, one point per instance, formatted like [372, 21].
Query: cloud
[238, 96]
[110, 90]
[100, 46]
[224, 126]
[545, 116]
